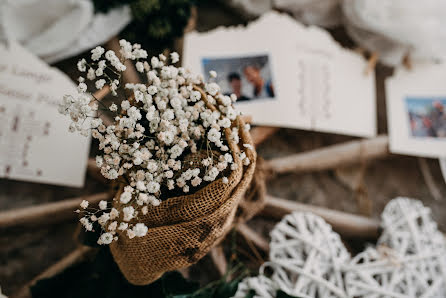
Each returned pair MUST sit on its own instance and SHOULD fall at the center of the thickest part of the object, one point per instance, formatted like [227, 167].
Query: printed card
[416, 110]
[35, 144]
[285, 74]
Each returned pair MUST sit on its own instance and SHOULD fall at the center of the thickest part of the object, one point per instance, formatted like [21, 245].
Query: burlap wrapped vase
[183, 229]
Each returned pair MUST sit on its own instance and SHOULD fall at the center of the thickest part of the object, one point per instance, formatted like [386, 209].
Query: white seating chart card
[35, 144]
[286, 74]
[416, 110]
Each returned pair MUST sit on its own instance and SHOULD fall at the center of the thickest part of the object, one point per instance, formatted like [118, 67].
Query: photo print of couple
[249, 78]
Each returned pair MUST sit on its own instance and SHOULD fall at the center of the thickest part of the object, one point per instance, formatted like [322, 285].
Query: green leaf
[250, 294]
[227, 290]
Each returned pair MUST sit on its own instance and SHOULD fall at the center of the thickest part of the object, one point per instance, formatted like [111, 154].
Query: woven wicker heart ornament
[410, 260]
[307, 257]
[262, 286]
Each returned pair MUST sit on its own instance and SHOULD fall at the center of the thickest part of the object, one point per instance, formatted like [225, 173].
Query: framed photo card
[306, 80]
[416, 107]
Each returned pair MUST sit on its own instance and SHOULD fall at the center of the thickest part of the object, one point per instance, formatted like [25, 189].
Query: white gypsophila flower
[100, 84]
[125, 104]
[113, 107]
[128, 212]
[153, 187]
[123, 226]
[140, 230]
[91, 74]
[214, 135]
[105, 238]
[131, 234]
[82, 87]
[125, 197]
[82, 65]
[103, 205]
[175, 57]
[171, 114]
[212, 88]
[84, 204]
[97, 52]
[113, 226]
[139, 66]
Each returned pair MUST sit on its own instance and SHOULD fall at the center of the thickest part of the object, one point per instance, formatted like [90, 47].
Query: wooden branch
[251, 235]
[74, 257]
[47, 213]
[260, 133]
[331, 157]
[219, 259]
[429, 179]
[100, 94]
[346, 224]
[371, 63]
[130, 75]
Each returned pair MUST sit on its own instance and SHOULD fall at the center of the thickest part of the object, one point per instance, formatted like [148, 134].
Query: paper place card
[286, 74]
[35, 144]
[416, 110]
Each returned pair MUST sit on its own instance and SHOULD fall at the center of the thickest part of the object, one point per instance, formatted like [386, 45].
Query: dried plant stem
[331, 157]
[219, 259]
[251, 235]
[348, 225]
[74, 257]
[47, 213]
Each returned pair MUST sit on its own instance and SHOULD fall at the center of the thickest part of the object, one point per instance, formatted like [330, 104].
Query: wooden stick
[331, 157]
[130, 75]
[219, 259]
[371, 64]
[251, 235]
[260, 133]
[100, 94]
[47, 213]
[69, 260]
[429, 179]
[348, 225]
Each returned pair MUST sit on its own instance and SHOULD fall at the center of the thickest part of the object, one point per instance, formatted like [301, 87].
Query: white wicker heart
[409, 229]
[307, 257]
[262, 286]
[410, 260]
[309, 260]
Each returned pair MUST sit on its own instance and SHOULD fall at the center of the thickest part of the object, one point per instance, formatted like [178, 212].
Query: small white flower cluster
[173, 114]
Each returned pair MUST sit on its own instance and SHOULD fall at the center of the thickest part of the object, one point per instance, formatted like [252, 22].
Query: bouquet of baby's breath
[180, 152]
